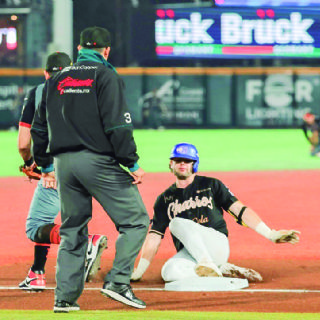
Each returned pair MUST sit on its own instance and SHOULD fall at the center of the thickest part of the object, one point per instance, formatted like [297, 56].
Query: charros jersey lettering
[175, 207]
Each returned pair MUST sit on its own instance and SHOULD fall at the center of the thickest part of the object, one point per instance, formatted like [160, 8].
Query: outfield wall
[195, 97]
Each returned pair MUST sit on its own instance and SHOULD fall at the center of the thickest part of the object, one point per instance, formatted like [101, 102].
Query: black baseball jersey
[28, 109]
[203, 201]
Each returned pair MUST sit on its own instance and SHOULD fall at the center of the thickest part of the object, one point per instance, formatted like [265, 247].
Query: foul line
[162, 289]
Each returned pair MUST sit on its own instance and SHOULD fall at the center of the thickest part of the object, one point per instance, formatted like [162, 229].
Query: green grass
[229, 150]
[219, 150]
[152, 315]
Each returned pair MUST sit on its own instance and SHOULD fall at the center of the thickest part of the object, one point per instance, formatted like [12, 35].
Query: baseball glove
[33, 173]
[283, 236]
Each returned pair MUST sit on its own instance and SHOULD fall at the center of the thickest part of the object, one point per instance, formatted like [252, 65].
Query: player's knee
[43, 233]
[175, 224]
[169, 272]
[177, 269]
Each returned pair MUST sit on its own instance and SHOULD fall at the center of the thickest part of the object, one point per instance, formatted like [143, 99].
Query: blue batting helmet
[186, 151]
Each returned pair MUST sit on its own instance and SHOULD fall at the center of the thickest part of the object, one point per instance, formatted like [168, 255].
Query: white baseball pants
[201, 244]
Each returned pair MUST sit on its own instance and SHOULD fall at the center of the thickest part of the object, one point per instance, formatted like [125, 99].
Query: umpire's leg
[76, 212]
[112, 187]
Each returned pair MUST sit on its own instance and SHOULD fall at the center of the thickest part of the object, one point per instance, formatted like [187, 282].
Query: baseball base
[207, 284]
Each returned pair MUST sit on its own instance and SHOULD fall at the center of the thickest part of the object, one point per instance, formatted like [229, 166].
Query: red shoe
[35, 281]
[97, 243]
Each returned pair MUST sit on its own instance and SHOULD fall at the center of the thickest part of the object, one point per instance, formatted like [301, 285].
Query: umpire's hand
[137, 176]
[49, 180]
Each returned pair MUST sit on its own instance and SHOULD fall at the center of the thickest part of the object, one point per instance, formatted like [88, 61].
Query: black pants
[81, 176]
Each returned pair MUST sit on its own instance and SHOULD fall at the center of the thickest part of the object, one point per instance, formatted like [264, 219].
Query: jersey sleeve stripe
[157, 232]
[24, 124]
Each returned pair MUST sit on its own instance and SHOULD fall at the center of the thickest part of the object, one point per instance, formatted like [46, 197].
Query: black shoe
[61, 306]
[122, 293]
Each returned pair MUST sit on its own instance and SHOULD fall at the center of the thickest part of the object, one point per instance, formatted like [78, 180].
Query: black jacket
[84, 107]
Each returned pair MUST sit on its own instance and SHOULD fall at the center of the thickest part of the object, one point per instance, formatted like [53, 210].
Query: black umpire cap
[95, 37]
[57, 61]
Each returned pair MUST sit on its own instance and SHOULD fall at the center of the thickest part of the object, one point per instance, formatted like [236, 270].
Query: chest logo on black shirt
[176, 207]
[74, 83]
[203, 190]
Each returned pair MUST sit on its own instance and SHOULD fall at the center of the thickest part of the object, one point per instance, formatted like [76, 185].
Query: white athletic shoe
[97, 243]
[233, 271]
[207, 269]
[35, 281]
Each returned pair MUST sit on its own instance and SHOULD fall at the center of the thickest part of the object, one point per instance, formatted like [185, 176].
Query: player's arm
[24, 135]
[250, 218]
[40, 137]
[149, 250]
[24, 144]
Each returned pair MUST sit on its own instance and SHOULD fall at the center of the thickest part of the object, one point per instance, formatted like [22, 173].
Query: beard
[182, 175]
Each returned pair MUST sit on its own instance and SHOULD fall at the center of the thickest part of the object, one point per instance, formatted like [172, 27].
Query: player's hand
[49, 180]
[137, 176]
[140, 269]
[136, 275]
[285, 236]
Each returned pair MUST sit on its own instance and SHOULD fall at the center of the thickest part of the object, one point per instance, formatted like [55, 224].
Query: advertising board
[237, 33]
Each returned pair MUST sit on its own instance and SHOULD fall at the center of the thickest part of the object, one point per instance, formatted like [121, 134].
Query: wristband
[263, 229]
[47, 169]
[29, 162]
[134, 168]
[140, 270]
[142, 267]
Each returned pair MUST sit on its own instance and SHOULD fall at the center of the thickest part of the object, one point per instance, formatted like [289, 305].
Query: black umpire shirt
[85, 108]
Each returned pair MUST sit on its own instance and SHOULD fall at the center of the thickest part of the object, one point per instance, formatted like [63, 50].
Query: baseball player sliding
[192, 208]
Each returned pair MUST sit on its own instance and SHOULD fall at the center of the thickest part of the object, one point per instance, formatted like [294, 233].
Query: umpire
[84, 123]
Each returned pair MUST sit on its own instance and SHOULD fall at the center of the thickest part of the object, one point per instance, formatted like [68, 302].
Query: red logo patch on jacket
[70, 82]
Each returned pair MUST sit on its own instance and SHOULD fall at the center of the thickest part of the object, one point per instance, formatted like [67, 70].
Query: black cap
[95, 37]
[57, 61]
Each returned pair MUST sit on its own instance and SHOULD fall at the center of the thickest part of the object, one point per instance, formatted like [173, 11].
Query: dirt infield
[286, 199]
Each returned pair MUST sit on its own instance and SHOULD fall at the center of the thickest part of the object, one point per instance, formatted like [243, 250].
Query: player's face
[181, 168]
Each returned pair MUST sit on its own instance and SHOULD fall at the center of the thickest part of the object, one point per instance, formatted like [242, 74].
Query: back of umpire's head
[95, 38]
